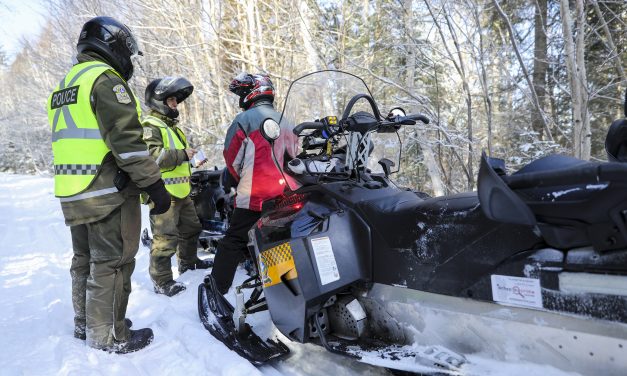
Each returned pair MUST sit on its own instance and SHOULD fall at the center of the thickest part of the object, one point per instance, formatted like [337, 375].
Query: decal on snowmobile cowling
[277, 264]
[516, 291]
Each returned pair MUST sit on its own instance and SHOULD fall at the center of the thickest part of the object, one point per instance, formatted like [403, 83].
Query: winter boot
[199, 264]
[79, 331]
[170, 288]
[137, 340]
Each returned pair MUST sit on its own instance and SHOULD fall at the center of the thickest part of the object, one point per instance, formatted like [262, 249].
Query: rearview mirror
[270, 130]
[396, 111]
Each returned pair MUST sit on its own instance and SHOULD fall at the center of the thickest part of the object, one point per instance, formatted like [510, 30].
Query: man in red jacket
[248, 158]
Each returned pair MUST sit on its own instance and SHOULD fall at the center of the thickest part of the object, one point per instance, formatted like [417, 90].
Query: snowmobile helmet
[251, 88]
[159, 90]
[112, 40]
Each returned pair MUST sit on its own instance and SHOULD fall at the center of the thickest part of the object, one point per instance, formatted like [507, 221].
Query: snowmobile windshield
[328, 93]
[316, 96]
[321, 94]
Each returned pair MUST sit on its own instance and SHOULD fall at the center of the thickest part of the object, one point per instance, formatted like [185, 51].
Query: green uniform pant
[175, 231]
[104, 259]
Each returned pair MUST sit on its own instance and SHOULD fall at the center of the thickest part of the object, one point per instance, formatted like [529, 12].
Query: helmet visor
[133, 46]
[178, 87]
[165, 86]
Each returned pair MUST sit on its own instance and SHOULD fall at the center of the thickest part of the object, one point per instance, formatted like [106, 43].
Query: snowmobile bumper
[216, 314]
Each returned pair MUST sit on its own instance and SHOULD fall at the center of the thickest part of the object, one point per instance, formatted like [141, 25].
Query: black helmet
[112, 40]
[251, 88]
[163, 88]
[616, 139]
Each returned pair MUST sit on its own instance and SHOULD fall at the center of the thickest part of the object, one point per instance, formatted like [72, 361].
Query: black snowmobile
[214, 205]
[532, 267]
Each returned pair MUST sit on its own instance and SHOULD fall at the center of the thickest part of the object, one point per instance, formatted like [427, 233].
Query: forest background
[518, 78]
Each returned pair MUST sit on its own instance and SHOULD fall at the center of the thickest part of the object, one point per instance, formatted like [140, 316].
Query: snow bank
[36, 322]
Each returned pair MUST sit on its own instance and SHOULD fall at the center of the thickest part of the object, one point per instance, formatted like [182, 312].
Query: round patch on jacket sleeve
[121, 94]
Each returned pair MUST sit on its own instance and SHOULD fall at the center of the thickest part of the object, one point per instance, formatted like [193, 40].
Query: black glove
[159, 196]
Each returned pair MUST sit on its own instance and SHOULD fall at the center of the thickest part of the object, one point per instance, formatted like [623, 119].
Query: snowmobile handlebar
[394, 124]
[307, 125]
[384, 126]
[419, 117]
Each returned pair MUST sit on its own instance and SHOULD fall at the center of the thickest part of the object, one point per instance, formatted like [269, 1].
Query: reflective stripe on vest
[77, 144]
[176, 180]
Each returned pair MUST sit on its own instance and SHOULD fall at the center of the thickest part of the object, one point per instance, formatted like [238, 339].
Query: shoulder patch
[147, 133]
[121, 94]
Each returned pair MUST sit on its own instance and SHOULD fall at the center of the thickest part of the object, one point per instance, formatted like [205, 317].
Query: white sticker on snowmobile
[325, 260]
[517, 291]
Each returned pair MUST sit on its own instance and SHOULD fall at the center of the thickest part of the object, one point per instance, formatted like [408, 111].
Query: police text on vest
[64, 97]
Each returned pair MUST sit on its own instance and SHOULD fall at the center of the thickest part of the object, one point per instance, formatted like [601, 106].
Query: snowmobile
[531, 267]
[214, 205]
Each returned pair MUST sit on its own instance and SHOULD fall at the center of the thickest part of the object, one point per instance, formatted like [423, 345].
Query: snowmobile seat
[390, 213]
[405, 210]
[549, 163]
[202, 176]
[576, 204]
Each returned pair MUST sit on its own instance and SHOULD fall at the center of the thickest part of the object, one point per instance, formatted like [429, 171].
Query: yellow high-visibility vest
[77, 145]
[176, 179]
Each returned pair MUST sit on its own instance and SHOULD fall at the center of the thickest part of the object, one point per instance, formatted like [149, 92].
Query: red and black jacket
[248, 157]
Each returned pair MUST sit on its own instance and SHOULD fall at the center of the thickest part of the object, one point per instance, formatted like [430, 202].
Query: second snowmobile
[213, 203]
[532, 267]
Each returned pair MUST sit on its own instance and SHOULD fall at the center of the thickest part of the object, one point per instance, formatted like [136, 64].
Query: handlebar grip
[307, 125]
[419, 117]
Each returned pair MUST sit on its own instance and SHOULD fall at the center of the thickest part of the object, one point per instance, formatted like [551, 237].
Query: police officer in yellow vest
[100, 165]
[177, 230]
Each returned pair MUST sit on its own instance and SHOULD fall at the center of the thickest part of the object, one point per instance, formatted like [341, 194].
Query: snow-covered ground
[36, 316]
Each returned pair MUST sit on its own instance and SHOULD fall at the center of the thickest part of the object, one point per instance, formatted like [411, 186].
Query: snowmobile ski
[419, 359]
[216, 314]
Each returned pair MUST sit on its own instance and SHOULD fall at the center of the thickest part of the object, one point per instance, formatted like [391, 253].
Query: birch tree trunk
[251, 23]
[576, 77]
[410, 82]
[305, 31]
[466, 86]
[586, 134]
[540, 64]
[485, 85]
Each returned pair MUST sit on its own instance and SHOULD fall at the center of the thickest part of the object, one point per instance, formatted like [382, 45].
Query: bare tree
[577, 77]
[532, 90]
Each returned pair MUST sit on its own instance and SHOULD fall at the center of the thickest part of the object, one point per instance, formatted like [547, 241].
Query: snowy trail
[36, 324]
